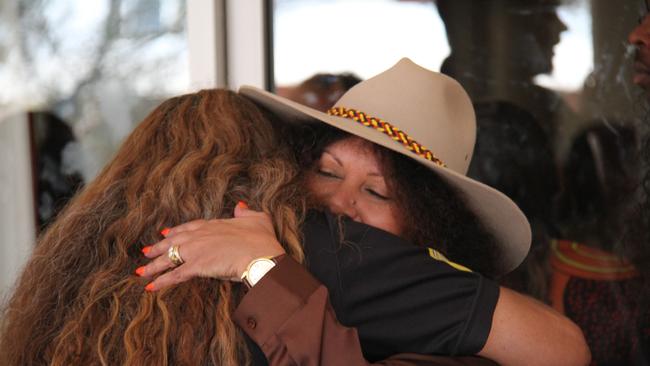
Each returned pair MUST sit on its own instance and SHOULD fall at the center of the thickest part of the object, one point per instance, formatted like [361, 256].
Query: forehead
[354, 144]
[357, 153]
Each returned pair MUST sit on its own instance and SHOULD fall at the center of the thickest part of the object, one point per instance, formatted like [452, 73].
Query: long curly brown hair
[78, 302]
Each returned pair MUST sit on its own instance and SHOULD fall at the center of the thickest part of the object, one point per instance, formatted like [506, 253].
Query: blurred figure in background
[513, 155]
[599, 180]
[320, 91]
[640, 38]
[598, 272]
[55, 180]
[593, 282]
[636, 246]
[586, 276]
[499, 47]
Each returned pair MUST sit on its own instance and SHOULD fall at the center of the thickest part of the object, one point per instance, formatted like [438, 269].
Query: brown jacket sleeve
[289, 316]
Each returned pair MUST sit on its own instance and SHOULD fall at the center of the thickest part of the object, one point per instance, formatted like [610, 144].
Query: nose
[640, 36]
[343, 202]
[556, 23]
[562, 26]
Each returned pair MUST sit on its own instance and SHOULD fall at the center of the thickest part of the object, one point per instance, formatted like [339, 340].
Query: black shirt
[398, 297]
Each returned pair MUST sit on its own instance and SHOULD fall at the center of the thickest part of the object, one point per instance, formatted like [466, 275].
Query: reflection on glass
[320, 91]
[559, 123]
[357, 36]
[97, 65]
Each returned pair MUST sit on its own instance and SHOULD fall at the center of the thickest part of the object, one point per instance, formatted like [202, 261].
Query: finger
[188, 226]
[242, 210]
[171, 278]
[158, 249]
[155, 267]
[162, 246]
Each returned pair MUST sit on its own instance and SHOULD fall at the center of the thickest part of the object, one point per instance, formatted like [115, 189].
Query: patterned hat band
[387, 129]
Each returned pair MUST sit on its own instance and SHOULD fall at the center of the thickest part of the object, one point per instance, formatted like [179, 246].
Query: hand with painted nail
[220, 248]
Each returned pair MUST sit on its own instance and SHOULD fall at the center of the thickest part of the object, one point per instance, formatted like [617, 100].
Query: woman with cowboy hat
[397, 171]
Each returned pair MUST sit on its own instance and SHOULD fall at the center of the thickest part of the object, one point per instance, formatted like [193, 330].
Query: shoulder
[358, 248]
[395, 292]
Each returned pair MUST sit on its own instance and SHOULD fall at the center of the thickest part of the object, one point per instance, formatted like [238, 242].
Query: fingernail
[242, 204]
[146, 249]
[165, 231]
[139, 271]
[149, 287]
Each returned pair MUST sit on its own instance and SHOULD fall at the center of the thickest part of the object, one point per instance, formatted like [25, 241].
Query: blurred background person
[502, 65]
[639, 38]
[593, 281]
[57, 181]
[513, 155]
[320, 91]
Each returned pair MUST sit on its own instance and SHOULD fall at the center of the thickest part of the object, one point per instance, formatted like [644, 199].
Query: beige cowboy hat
[428, 117]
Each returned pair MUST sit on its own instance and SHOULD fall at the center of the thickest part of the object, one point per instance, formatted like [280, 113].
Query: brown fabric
[289, 316]
[408, 359]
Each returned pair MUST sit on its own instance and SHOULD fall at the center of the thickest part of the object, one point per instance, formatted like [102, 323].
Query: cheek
[385, 218]
[310, 183]
[317, 188]
[643, 34]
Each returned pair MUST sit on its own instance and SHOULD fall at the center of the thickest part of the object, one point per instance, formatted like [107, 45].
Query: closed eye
[327, 174]
[377, 195]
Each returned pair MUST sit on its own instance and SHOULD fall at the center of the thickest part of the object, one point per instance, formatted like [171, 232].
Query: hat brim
[498, 213]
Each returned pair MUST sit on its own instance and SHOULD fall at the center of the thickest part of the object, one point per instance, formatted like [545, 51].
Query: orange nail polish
[242, 204]
[146, 250]
[165, 231]
[139, 271]
[149, 287]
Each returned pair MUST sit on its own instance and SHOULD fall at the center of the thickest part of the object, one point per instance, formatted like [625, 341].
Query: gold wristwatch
[256, 269]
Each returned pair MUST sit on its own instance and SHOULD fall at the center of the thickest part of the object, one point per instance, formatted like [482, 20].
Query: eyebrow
[373, 174]
[333, 157]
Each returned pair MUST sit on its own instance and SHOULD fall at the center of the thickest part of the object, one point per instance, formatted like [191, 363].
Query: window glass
[354, 36]
[84, 73]
[99, 65]
[559, 126]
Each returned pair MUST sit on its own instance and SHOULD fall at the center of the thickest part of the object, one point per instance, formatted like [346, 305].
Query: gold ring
[174, 255]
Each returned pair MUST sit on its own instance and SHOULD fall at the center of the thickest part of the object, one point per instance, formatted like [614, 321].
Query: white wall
[206, 41]
[226, 42]
[245, 43]
[16, 202]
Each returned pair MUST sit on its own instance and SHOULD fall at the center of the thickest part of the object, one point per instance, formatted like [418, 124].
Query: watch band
[256, 269]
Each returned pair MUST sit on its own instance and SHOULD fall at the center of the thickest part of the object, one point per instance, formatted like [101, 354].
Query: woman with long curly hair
[79, 303]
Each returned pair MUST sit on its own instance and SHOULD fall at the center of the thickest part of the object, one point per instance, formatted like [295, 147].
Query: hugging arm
[289, 316]
[398, 296]
[472, 315]
[527, 332]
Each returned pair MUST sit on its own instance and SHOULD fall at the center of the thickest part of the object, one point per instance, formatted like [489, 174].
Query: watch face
[258, 269]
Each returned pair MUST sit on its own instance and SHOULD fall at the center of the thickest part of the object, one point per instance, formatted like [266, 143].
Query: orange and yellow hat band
[387, 129]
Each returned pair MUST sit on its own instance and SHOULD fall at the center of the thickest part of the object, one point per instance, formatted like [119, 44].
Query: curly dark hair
[513, 155]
